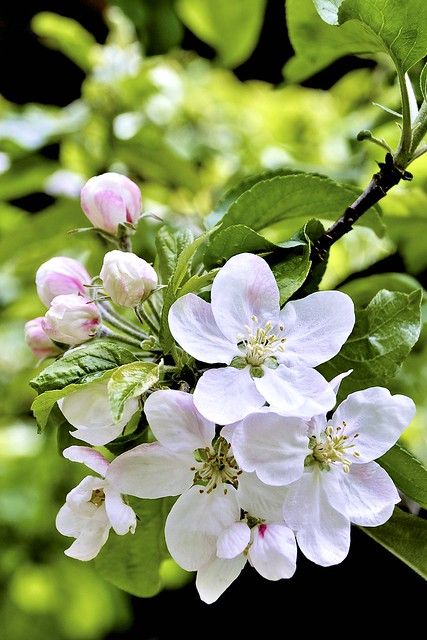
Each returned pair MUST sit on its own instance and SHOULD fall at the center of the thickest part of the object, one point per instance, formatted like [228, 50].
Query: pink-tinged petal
[378, 417]
[368, 495]
[316, 327]
[296, 391]
[195, 522]
[90, 457]
[226, 395]
[194, 328]
[272, 445]
[233, 541]
[121, 516]
[98, 436]
[273, 552]
[151, 471]
[216, 576]
[176, 423]
[260, 500]
[323, 534]
[244, 287]
[68, 522]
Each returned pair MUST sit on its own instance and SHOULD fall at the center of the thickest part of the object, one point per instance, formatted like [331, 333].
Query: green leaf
[232, 240]
[169, 244]
[382, 338]
[130, 381]
[362, 290]
[232, 28]
[407, 472]
[405, 536]
[83, 364]
[423, 82]
[132, 562]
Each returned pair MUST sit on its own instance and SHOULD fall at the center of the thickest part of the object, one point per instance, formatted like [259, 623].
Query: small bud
[128, 279]
[59, 276]
[38, 341]
[111, 199]
[71, 319]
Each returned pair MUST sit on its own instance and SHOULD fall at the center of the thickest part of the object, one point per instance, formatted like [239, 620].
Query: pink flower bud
[110, 199]
[40, 343]
[71, 319]
[59, 276]
[127, 279]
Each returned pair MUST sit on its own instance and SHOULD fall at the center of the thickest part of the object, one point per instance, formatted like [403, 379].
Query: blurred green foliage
[184, 129]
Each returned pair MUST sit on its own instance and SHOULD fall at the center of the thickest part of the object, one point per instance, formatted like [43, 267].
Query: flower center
[216, 466]
[333, 446]
[97, 497]
[260, 343]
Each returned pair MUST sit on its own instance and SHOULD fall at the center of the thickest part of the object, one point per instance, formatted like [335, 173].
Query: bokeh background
[186, 101]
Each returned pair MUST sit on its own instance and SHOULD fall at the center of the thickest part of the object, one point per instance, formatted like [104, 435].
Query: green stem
[420, 127]
[107, 333]
[153, 309]
[123, 326]
[143, 317]
[403, 154]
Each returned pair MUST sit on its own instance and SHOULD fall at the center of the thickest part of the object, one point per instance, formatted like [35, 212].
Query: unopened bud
[128, 279]
[71, 319]
[59, 276]
[38, 341]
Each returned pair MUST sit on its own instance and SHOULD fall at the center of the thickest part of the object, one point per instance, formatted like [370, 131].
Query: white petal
[296, 391]
[272, 445]
[369, 495]
[260, 500]
[151, 471]
[68, 522]
[323, 534]
[317, 326]
[378, 417]
[194, 328]
[195, 522]
[273, 552]
[244, 287]
[79, 497]
[98, 436]
[89, 543]
[216, 576]
[90, 457]
[226, 395]
[336, 382]
[233, 541]
[176, 423]
[121, 516]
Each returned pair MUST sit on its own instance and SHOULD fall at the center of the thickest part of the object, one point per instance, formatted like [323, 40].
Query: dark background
[371, 589]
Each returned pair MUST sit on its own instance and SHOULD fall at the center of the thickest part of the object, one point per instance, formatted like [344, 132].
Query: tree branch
[388, 176]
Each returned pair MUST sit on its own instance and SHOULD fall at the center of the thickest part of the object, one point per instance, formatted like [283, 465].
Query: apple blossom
[38, 341]
[88, 410]
[270, 353]
[93, 507]
[111, 199]
[127, 279]
[71, 319]
[60, 275]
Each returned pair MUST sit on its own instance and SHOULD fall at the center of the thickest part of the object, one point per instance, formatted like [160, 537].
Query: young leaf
[232, 240]
[383, 336]
[407, 472]
[130, 381]
[405, 536]
[362, 290]
[169, 244]
[132, 562]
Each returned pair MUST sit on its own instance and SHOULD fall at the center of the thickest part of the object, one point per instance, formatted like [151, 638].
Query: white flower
[93, 507]
[187, 460]
[270, 353]
[71, 319]
[260, 537]
[59, 276]
[88, 410]
[38, 341]
[110, 199]
[128, 279]
[340, 483]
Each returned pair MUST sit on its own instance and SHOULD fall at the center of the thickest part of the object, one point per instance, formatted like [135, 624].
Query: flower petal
[216, 576]
[194, 328]
[316, 327]
[296, 391]
[195, 522]
[79, 497]
[272, 445]
[226, 395]
[244, 287]
[68, 522]
[260, 500]
[90, 457]
[378, 417]
[121, 516]
[176, 423]
[233, 541]
[273, 552]
[323, 534]
[98, 436]
[89, 542]
[151, 471]
[368, 495]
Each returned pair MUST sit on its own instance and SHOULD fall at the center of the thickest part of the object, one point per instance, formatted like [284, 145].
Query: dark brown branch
[388, 176]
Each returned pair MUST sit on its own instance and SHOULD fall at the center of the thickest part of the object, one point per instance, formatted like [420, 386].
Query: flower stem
[420, 128]
[107, 333]
[144, 317]
[116, 321]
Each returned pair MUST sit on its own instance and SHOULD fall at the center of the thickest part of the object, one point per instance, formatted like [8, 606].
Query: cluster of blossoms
[259, 456]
